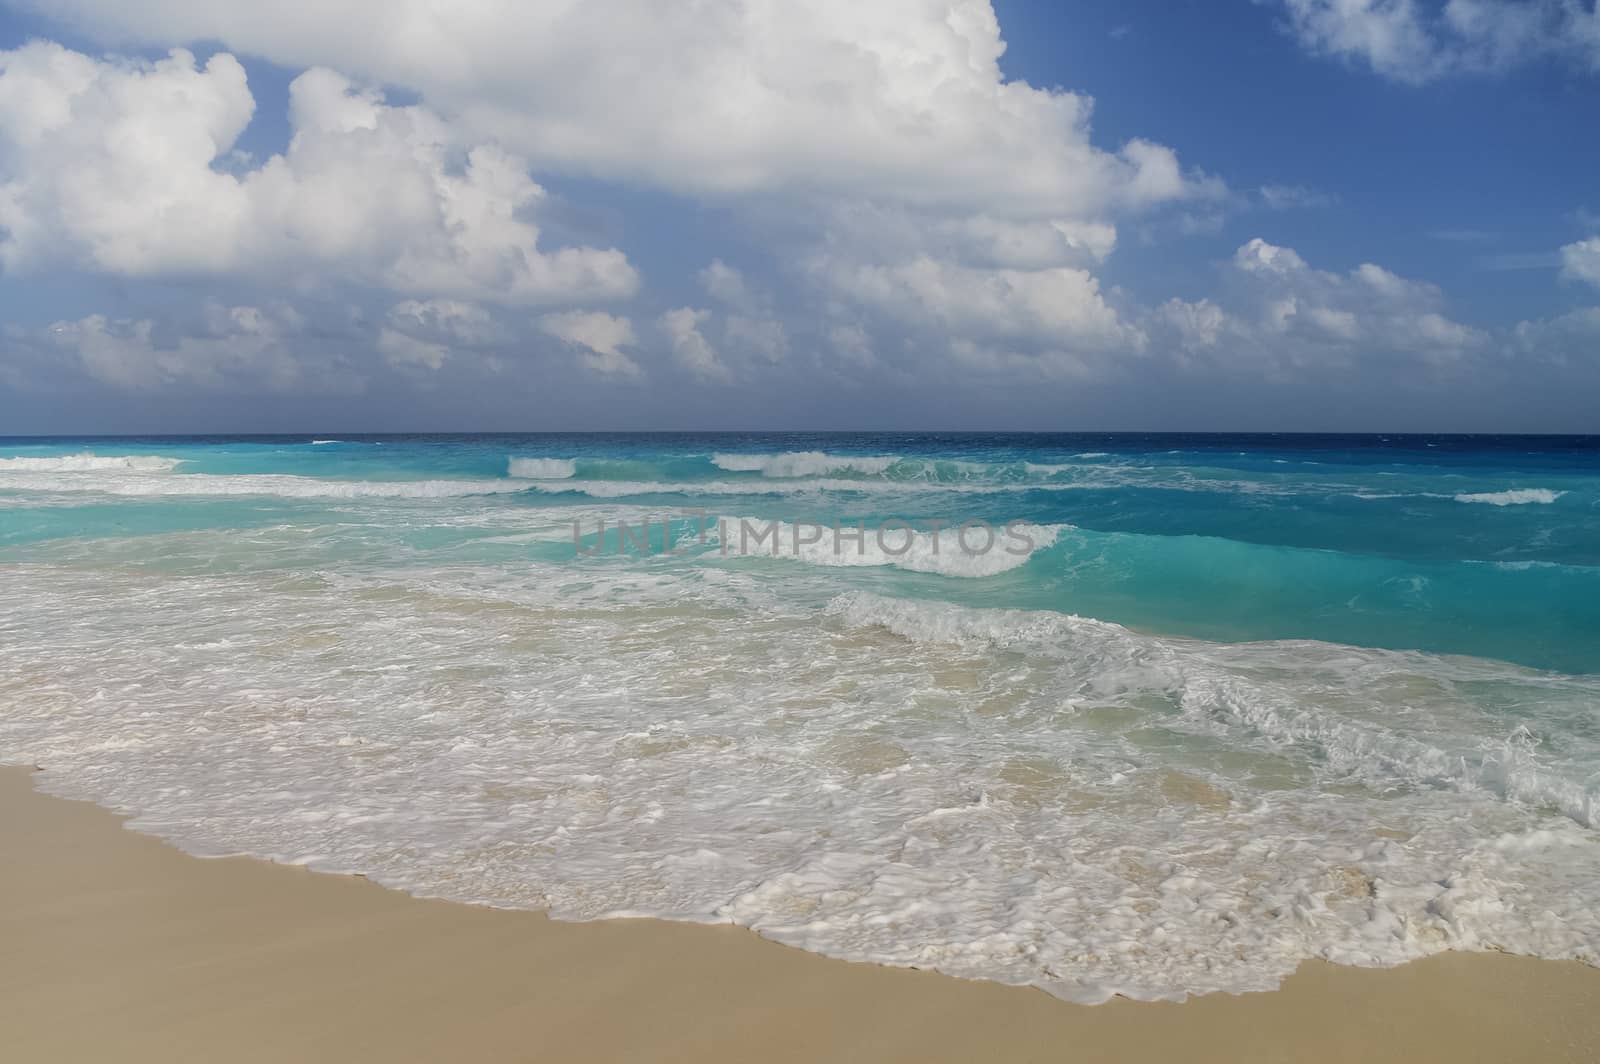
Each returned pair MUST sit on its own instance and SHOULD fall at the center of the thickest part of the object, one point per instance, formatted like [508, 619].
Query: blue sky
[1281, 214]
[1445, 181]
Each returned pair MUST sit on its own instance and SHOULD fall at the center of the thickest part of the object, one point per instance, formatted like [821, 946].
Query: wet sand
[115, 946]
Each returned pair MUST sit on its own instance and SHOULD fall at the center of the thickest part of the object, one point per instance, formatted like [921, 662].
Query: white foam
[1516, 497]
[616, 489]
[1400, 742]
[1026, 797]
[804, 463]
[542, 468]
[323, 443]
[273, 484]
[90, 463]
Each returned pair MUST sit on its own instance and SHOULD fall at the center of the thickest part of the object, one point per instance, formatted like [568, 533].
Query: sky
[567, 215]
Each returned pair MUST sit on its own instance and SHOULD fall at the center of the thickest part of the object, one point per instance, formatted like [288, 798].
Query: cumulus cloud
[852, 343]
[890, 232]
[405, 351]
[1060, 305]
[938, 193]
[762, 338]
[903, 98]
[1414, 42]
[750, 328]
[1279, 311]
[599, 339]
[234, 348]
[1568, 339]
[122, 166]
[423, 334]
[1198, 325]
[725, 283]
[690, 346]
[1581, 261]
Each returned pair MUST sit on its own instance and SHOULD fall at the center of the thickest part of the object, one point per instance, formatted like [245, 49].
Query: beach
[115, 946]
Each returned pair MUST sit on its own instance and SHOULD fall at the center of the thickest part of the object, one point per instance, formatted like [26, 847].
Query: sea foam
[267, 484]
[90, 463]
[1516, 497]
[541, 468]
[1026, 797]
[803, 463]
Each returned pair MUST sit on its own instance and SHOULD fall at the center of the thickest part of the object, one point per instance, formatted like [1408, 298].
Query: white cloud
[463, 322]
[853, 344]
[424, 334]
[750, 327]
[886, 232]
[689, 345]
[902, 99]
[1198, 324]
[1416, 43]
[725, 283]
[1581, 261]
[404, 351]
[118, 166]
[765, 338]
[1294, 197]
[1059, 305]
[1030, 245]
[1568, 339]
[599, 339]
[235, 348]
[1281, 312]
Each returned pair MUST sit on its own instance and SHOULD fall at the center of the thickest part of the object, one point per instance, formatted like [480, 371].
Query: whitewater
[1221, 705]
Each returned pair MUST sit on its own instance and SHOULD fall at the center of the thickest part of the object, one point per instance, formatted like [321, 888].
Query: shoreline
[115, 945]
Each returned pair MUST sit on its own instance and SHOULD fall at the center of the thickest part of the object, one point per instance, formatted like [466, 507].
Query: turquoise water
[1082, 762]
[1345, 539]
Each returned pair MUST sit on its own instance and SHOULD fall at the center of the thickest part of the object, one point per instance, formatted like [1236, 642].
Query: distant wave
[804, 463]
[319, 443]
[541, 468]
[90, 463]
[613, 489]
[274, 484]
[1514, 497]
[1518, 497]
[616, 489]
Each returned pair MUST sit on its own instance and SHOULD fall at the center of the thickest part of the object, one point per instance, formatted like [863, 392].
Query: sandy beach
[115, 946]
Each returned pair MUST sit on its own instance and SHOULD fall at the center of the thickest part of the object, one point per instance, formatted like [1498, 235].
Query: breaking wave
[1517, 497]
[90, 463]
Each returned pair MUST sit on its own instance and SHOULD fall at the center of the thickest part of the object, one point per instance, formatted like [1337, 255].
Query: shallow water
[1207, 707]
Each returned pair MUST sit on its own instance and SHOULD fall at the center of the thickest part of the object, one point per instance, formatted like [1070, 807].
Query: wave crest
[1515, 497]
[804, 463]
[273, 484]
[90, 463]
[541, 468]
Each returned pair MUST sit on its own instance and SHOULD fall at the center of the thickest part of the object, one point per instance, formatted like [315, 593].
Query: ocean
[1149, 715]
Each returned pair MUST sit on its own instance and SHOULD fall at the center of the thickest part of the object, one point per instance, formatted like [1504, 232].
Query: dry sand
[116, 947]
